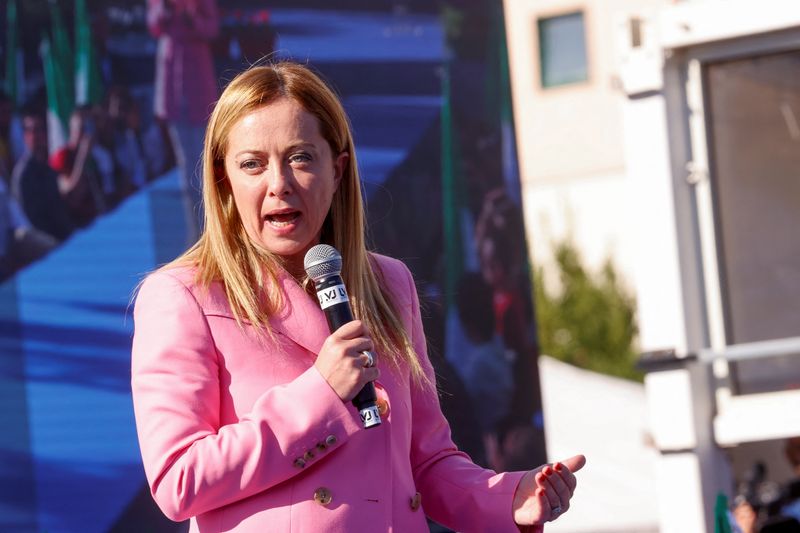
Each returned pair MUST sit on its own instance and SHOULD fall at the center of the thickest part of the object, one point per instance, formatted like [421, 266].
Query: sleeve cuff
[309, 412]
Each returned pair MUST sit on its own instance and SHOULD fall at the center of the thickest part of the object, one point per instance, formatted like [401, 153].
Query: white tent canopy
[603, 418]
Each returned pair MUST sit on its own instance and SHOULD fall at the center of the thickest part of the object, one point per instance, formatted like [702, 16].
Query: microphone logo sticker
[370, 416]
[332, 295]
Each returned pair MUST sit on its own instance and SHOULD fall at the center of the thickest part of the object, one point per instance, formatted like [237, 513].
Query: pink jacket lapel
[301, 318]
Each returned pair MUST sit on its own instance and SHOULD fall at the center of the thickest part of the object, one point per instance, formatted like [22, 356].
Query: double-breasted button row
[323, 496]
[321, 446]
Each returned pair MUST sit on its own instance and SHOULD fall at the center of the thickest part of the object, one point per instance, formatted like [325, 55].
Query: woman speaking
[243, 397]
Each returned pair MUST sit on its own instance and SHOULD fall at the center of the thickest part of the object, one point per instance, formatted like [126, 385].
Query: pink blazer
[247, 436]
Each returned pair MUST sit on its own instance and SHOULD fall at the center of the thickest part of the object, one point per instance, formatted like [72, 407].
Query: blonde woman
[242, 397]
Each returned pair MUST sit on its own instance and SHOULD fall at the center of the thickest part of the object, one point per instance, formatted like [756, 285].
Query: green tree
[591, 322]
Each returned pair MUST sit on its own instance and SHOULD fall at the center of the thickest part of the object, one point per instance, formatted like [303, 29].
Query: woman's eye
[250, 164]
[300, 157]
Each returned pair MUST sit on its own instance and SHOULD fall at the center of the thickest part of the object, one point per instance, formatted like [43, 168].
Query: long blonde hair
[247, 272]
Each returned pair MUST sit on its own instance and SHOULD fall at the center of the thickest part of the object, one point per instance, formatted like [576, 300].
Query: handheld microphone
[323, 264]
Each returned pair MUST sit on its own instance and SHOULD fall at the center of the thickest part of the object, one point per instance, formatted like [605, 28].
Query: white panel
[755, 417]
[658, 278]
[670, 410]
[692, 23]
[680, 497]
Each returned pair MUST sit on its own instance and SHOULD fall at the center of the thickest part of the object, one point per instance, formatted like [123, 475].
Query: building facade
[673, 143]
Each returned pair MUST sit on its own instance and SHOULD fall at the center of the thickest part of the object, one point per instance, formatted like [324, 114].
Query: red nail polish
[547, 471]
[558, 467]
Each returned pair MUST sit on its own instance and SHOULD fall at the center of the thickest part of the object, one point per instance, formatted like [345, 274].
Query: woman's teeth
[282, 220]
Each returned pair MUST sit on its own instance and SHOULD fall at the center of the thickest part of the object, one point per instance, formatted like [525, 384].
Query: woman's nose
[279, 181]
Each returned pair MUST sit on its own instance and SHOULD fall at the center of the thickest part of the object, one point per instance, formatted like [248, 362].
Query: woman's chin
[290, 251]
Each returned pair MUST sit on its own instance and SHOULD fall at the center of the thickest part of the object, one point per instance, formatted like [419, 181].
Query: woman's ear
[339, 166]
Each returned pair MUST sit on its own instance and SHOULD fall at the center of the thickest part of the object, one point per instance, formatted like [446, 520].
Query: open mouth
[280, 220]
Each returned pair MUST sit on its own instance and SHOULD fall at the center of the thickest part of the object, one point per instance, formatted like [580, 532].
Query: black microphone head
[321, 261]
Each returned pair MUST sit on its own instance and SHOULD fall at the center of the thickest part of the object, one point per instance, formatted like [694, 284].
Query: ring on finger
[370, 359]
[555, 511]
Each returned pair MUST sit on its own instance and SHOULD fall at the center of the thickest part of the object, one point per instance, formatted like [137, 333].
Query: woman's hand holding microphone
[343, 363]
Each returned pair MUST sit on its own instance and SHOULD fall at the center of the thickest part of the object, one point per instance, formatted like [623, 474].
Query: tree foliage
[591, 322]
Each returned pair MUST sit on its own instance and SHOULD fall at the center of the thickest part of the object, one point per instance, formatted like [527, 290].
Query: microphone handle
[335, 304]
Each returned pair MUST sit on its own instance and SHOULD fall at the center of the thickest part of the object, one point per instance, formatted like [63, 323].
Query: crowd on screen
[46, 194]
[48, 191]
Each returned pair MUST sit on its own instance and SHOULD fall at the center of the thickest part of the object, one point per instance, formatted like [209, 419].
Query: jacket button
[308, 455]
[322, 496]
[330, 440]
[299, 462]
[383, 406]
[416, 501]
[321, 446]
